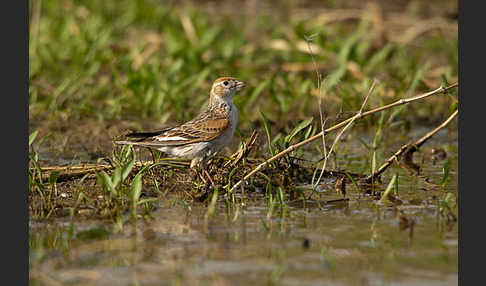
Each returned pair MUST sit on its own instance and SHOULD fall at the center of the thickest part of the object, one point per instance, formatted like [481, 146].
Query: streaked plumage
[205, 135]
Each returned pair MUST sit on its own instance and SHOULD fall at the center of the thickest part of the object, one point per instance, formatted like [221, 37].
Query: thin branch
[409, 148]
[339, 125]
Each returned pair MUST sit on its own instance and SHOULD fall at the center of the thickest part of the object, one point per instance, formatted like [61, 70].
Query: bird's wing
[203, 128]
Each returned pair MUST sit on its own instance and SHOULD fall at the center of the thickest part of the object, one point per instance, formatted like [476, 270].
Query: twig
[409, 148]
[339, 125]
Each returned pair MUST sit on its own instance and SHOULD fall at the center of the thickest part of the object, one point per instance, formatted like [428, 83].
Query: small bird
[202, 137]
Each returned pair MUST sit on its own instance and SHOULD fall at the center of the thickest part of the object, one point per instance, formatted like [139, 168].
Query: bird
[200, 138]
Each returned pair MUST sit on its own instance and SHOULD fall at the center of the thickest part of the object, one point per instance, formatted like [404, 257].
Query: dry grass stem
[319, 85]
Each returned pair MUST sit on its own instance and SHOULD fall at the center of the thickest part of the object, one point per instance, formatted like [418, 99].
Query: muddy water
[355, 242]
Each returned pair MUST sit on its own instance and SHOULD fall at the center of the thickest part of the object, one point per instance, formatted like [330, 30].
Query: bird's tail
[137, 143]
[144, 135]
[140, 136]
[125, 142]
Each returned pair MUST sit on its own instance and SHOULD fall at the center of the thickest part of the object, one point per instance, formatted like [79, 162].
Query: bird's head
[225, 87]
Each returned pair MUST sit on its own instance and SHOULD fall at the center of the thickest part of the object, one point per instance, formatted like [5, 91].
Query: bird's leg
[153, 155]
[204, 167]
[197, 169]
[197, 173]
[202, 170]
[201, 175]
[209, 177]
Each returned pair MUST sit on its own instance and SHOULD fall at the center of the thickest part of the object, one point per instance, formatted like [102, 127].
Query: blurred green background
[134, 64]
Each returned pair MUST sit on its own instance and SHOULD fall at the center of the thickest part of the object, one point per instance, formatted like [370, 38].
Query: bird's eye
[225, 83]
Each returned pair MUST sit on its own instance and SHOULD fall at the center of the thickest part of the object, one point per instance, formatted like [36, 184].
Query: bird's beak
[240, 85]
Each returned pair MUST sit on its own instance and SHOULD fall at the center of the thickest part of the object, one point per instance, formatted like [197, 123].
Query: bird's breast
[233, 114]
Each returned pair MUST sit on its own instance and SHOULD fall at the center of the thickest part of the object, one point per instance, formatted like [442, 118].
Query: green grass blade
[389, 188]
[32, 137]
[268, 131]
[297, 129]
[136, 189]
